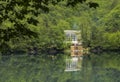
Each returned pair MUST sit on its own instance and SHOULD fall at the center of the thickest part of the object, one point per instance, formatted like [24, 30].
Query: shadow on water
[41, 68]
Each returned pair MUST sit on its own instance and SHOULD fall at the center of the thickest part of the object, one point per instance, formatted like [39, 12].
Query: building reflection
[74, 63]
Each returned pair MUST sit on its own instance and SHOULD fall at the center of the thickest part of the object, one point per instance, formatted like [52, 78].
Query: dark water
[103, 67]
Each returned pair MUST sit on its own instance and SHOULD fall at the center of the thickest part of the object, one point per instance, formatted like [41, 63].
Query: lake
[104, 67]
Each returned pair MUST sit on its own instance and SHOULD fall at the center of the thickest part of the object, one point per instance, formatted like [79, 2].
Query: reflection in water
[73, 64]
[104, 67]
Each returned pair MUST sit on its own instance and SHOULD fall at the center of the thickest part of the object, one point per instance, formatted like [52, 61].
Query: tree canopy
[40, 23]
[19, 18]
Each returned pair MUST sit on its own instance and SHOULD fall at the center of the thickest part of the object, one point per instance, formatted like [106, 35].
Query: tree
[18, 18]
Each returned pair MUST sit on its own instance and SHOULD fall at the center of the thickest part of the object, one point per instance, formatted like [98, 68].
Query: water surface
[103, 67]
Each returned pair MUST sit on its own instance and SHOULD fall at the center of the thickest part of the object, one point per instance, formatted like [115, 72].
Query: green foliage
[112, 40]
[105, 25]
[112, 20]
[41, 24]
[21, 20]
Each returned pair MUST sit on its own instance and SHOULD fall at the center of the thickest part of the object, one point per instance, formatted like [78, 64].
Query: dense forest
[31, 24]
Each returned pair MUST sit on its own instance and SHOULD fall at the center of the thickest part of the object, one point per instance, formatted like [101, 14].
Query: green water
[94, 68]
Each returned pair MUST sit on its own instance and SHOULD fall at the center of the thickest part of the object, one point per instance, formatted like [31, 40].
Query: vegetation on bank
[24, 27]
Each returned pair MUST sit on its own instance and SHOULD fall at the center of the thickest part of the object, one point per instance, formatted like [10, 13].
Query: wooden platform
[76, 50]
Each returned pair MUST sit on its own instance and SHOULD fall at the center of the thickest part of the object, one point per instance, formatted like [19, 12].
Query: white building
[73, 37]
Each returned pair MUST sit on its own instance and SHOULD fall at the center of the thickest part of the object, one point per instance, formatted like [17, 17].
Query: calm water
[92, 68]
